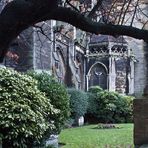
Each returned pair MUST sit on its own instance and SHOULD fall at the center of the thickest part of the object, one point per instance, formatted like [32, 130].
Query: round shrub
[93, 93]
[57, 95]
[119, 108]
[95, 89]
[78, 102]
[24, 111]
[111, 107]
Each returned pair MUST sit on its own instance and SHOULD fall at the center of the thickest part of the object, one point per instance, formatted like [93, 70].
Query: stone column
[112, 74]
[141, 114]
[131, 78]
[52, 45]
[131, 72]
[87, 82]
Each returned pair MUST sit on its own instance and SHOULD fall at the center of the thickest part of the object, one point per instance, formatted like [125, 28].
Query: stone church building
[79, 59]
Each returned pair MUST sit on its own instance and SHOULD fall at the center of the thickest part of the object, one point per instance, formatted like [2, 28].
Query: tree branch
[134, 13]
[72, 6]
[92, 12]
[18, 15]
[86, 24]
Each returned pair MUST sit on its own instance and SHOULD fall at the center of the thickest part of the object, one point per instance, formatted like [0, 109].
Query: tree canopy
[109, 17]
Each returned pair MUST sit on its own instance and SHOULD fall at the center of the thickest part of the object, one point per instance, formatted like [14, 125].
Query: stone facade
[116, 64]
[106, 61]
[113, 55]
[20, 54]
[140, 79]
[79, 60]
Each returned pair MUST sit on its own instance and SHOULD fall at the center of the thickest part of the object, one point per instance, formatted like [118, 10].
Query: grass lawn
[87, 137]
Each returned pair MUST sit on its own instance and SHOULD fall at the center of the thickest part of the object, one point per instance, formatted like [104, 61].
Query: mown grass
[88, 137]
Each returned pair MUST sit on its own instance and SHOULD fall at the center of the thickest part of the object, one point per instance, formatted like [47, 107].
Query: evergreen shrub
[24, 110]
[57, 95]
[93, 93]
[109, 107]
[78, 102]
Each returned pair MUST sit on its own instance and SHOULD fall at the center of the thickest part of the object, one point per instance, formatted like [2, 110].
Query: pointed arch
[98, 75]
[96, 64]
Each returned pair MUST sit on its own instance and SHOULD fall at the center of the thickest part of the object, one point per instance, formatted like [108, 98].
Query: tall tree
[101, 17]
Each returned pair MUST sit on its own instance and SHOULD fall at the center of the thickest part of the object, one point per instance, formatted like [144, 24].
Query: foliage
[95, 89]
[69, 123]
[57, 96]
[129, 101]
[24, 111]
[78, 102]
[93, 93]
[110, 106]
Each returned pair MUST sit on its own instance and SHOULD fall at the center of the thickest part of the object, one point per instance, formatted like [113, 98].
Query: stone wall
[140, 122]
[146, 60]
[140, 66]
[42, 47]
[121, 65]
[20, 55]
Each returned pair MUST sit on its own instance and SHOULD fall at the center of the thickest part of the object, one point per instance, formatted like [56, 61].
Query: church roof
[106, 38]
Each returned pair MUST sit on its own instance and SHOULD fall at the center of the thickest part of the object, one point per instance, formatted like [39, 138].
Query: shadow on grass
[106, 126]
[61, 144]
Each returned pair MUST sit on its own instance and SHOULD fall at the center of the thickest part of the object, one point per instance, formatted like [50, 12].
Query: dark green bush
[69, 123]
[24, 111]
[93, 94]
[109, 106]
[95, 89]
[129, 108]
[57, 96]
[78, 102]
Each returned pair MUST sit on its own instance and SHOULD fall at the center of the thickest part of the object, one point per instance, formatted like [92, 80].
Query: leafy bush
[69, 123]
[109, 106]
[78, 102]
[93, 94]
[24, 111]
[95, 89]
[129, 106]
[57, 96]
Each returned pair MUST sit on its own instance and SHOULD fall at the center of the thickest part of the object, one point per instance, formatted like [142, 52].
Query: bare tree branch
[41, 30]
[88, 25]
[121, 12]
[126, 11]
[92, 12]
[72, 6]
[134, 12]
[18, 15]
[145, 24]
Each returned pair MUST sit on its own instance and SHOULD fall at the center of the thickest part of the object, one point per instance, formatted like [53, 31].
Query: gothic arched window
[98, 76]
